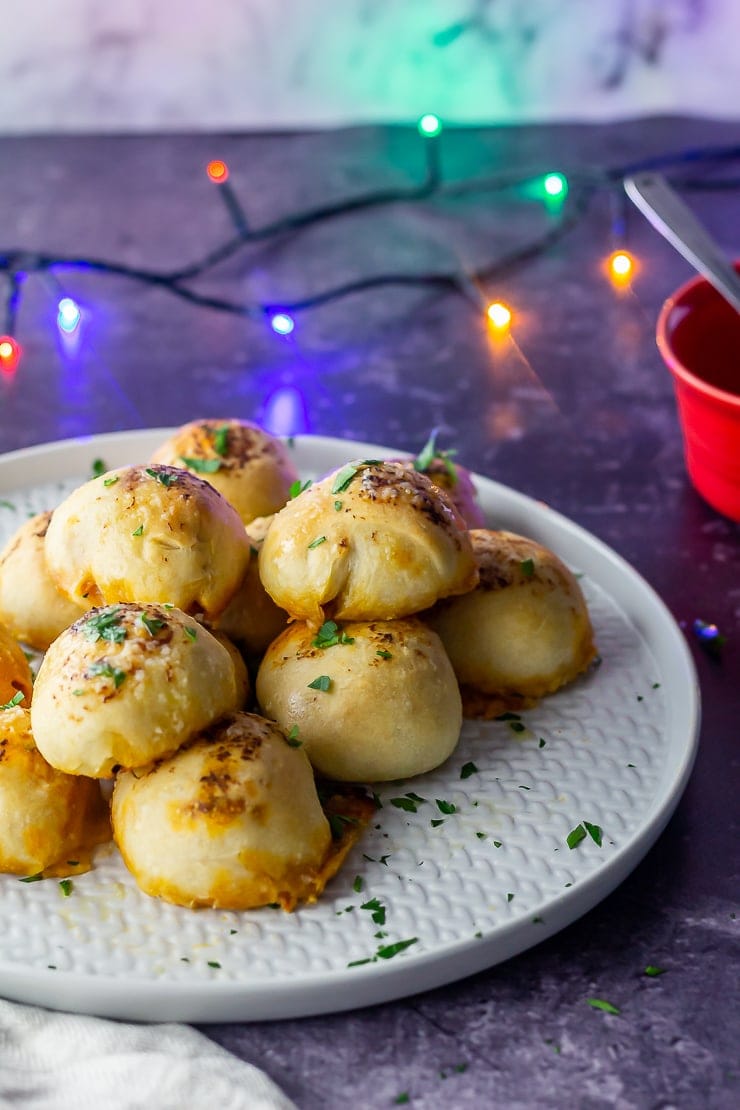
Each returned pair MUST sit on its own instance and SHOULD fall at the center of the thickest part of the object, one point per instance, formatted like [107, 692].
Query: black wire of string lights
[694, 168]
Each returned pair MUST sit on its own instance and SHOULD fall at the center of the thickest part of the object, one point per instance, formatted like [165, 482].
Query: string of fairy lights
[567, 198]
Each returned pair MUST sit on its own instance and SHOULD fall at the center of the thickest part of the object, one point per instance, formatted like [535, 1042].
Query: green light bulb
[555, 185]
[429, 125]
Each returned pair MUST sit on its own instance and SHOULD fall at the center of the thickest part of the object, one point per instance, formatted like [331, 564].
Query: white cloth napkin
[57, 1061]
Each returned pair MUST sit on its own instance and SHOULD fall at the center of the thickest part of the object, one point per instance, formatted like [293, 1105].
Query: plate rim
[348, 988]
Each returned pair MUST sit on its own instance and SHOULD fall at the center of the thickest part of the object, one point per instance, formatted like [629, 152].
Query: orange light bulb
[621, 266]
[499, 315]
[218, 171]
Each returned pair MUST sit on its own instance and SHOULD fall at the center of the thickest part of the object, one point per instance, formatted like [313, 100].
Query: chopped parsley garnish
[467, 770]
[67, 886]
[527, 567]
[317, 542]
[436, 822]
[594, 831]
[331, 634]
[402, 1099]
[337, 506]
[653, 971]
[298, 487]
[542, 742]
[384, 654]
[337, 822]
[407, 804]
[344, 477]
[377, 910]
[139, 531]
[357, 884]
[391, 950]
[5, 504]
[200, 466]
[191, 633]
[153, 625]
[575, 836]
[429, 453]
[517, 726]
[165, 477]
[292, 737]
[481, 836]
[497, 843]
[221, 440]
[98, 468]
[110, 481]
[214, 963]
[323, 682]
[446, 807]
[106, 670]
[32, 878]
[509, 897]
[602, 1004]
[105, 625]
[15, 700]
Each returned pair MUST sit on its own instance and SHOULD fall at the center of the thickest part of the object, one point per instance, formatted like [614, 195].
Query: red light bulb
[10, 353]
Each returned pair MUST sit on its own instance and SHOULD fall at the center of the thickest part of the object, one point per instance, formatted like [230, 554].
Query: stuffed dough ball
[127, 684]
[45, 815]
[251, 468]
[372, 541]
[15, 673]
[233, 820]
[148, 533]
[524, 631]
[31, 605]
[368, 701]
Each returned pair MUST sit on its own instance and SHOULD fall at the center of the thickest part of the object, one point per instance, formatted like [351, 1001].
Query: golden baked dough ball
[368, 701]
[148, 533]
[524, 632]
[252, 618]
[455, 479]
[252, 469]
[15, 673]
[372, 541]
[127, 684]
[45, 815]
[233, 820]
[31, 606]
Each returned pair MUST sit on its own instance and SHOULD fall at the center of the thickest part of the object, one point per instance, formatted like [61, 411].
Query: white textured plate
[494, 878]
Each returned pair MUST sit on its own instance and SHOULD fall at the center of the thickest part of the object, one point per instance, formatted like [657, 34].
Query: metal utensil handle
[668, 214]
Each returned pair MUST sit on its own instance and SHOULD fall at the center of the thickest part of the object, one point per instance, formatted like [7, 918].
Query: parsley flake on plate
[467, 770]
[98, 468]
[654, 971]
[292, 737]
[575, 836]
[67, 886]
[602, 1004]
[446, 807]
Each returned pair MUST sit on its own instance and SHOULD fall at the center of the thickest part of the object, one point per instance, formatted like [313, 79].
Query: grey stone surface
[579, 412]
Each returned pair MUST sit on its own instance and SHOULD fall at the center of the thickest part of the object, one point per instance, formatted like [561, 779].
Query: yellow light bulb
[499, 315]
[621, 264]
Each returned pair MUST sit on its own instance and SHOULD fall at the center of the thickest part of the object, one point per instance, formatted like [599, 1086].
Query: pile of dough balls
[363, 683]
[371, 607]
